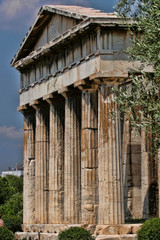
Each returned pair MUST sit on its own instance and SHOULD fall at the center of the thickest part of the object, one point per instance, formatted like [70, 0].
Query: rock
[125, 229]
[135, 228]
[110, 230]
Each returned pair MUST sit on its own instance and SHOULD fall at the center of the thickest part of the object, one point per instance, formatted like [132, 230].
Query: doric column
[89, 156]
[41, 165]
[29, 167]
[56, 160]
[145, 179]
[126, 163]
[111, 197]
[72, 159]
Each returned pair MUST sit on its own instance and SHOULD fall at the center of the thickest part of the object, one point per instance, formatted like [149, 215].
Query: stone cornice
[76, 63]
[68, 35]
[79, 86]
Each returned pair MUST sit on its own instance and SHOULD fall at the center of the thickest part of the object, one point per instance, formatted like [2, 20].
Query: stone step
[53, 236]
[117, 237]
[34, 236]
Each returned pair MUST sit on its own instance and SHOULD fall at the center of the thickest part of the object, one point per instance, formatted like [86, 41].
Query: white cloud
[16, 14]
[19, 13]
[11, 8]
[11, 132]
[73, 2]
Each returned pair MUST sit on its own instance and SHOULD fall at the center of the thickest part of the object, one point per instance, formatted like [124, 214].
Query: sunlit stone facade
[81, 167]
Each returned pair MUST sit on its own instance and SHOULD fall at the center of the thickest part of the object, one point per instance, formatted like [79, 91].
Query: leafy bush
[6, 234]
[13, 206]
[75, 233]
[16, 182]
[150, 230]
[6, 190]
[13, 223]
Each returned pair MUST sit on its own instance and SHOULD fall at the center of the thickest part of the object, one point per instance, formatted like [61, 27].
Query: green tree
[16, 182]
[75, 233]
[150, 230]
[6, 234]
[6, 190]
[13, 206]
[13, 223]
[140, 99]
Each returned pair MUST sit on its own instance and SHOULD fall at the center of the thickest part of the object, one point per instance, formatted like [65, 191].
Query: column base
[100, 232]
[34, 236]
[117, 237]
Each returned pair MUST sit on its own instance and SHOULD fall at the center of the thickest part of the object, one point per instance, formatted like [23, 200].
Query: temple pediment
[54, 21]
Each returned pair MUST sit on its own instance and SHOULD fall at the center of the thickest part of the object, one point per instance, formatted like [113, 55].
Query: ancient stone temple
[81, 167]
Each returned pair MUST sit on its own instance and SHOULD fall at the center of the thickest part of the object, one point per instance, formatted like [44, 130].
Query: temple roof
[84, 17]
[78, 11]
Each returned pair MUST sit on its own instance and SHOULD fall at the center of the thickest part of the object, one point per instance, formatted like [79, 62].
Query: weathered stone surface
[135, 228]
[110, 230]
[82, 167]
[111, 198]
[41, 164]
[90, 228]
[72, 160]
[34, 236]
[117, 237]
[104, 237]
[99, 228]
[125, 229]
[89, 157]
[56, 163]
[29, 168]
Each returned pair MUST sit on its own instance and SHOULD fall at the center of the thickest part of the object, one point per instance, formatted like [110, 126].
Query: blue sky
[16, 18]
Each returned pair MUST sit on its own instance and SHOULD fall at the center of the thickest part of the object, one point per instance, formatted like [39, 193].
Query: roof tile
[88, 12]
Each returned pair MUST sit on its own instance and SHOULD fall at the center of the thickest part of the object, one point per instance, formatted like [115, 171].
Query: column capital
[38, 104]
[86, 85]
[67, 92]
[26, 109]
[109, 77]
[64, 91]
[50, 98]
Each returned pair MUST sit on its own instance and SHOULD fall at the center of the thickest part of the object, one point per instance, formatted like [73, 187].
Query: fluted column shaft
[56, 162]
[145, 180]
[41, 167]
[89, 156]
[29, 168]
[111, 197]
[72, 160]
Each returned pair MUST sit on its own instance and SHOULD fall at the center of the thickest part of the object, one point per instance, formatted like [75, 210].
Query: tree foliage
[11, 203]
[150, 230]
[13, 223]
[13, 206]
[6, 190]
[140, 100]
[75, 233]
[16, 182]
[6, 234]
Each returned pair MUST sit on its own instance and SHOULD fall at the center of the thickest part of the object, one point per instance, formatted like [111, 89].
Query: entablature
[107, 42]
[81, 28]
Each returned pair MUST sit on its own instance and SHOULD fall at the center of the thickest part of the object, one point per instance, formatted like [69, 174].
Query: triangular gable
[51, 22]
[57, 25]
